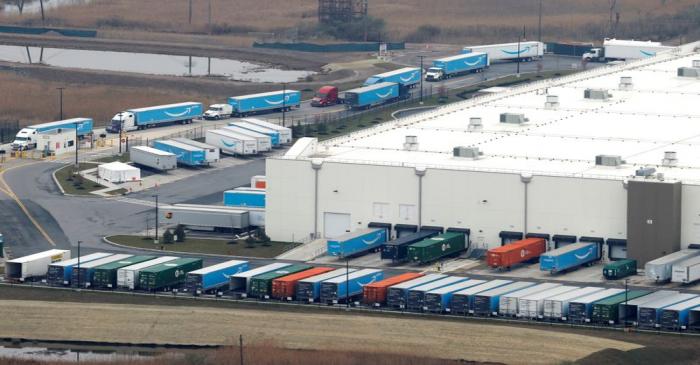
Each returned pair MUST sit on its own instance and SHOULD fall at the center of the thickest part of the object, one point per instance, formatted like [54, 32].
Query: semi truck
[354, 243]
[232, 143]
[26, 138]
[265, 102]
[407, 76]
[35, 265]
[326, 96]
[523, 51]
[368, 96]
[213, 277]
[155, 116]
[186, 154]
[218, 111]
[445, 68]
[618, 49]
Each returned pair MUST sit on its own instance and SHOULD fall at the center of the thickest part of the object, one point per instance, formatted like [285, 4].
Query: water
[150, 63]
[33, 6]
[72, 355]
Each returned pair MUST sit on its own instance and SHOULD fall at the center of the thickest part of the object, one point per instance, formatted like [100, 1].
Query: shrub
[168, 236]
[180, 233]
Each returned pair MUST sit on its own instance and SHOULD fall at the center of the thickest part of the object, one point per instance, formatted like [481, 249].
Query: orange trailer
[375, 293]
[516, 252]
[286, 286]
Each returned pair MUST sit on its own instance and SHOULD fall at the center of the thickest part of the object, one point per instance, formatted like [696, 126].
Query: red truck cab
[325, 96]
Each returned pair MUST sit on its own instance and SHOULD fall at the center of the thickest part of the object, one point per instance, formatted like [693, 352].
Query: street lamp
[79, 242]
[421, 78]
[284, 103]
[77, 145]
[121, 131]
[60, 102]
[156, 238]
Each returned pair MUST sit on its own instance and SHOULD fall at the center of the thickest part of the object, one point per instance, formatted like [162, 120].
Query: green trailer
[620, 269]
[261, 285]
[167, 275]
[437, 247]
[606, 311]
[106, 275]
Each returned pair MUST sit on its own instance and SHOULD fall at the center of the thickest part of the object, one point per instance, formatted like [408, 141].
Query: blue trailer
[357, 242]
[677, 316]
[186, 154]
[581, 309]
[213, 277]
[27, 137]
[265, 102]
[368, 96]
[438, 300]
[444, 68]
[416, 295]
[486, 303]
[154, 116]
[407, 76]
[397, 250]
[82, 276]
[59, 273]
[245, 197]
[649, 314]
[246, 126]
[397, 295]
[345, 287]
[462, 301]
[570, 256]
[309, 289]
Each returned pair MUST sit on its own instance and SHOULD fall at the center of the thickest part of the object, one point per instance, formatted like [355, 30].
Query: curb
[427, 108]
[60, 188]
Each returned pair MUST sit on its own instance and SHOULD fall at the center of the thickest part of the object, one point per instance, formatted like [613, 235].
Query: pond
[34, 6]
[68, 354]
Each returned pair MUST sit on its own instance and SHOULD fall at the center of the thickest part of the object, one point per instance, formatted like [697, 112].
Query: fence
[68, 32]
[334, 47]
[8, 130]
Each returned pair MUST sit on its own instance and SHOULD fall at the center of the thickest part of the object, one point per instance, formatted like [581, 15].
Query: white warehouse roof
[658, 114]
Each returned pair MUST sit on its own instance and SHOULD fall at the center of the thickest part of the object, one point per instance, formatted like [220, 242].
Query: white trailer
[211, 153]
[508, 303]
[232, 143]
[661, 269]
[35, 265]
[557, 307]
[525, 51]
[619, 49]
[264, 141]
[128, 277]
[241, 281]
[532, 306]
[686, 271]
[206, 217]
[153, 158]
[285, 133]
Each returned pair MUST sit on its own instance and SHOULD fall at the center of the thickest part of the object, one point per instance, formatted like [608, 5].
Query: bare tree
[19, 4]
[613, 6]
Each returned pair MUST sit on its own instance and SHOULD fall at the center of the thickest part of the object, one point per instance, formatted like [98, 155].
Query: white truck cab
[25, 139]
[218, 111]
[434, 74]
[123, 119]
[596, 54]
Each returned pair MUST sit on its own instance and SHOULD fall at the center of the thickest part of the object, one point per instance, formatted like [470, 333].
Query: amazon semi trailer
[355, 243]
[508, 304]
[397, 295]
[285, 133]
[211, 153]
[619, 49]
[462, 64]
[438, 300]
[407, 76]
[241, 282]
[369, 96]
[272, 101]
[557, 307]
[532, 306]
[486, 303]
[649, 313]
[155, 116]
[581, 309]
[264, 142]
[463, 301]
[676, 317]
[661, 269]
[60, 272]
[309, 289]
[570, 256]
[416, 295]
[167, 275]
[213, 277]
[36, 265]
[523, 51]
[128, 277]
[343, 288]
[186, 154]
[232, 143]
[397, 250]
[152, 157]
[83, 276]
[246, 126]
[205, 217]
[245, 197]
[105, 276]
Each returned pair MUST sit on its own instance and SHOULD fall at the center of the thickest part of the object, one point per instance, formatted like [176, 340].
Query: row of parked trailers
[248, 137]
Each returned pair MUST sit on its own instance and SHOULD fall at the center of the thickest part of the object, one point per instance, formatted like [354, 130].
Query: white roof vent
[626, 83]
[513, 118]
[596, 94]
[670, 159]
[609, 160]
[552, 102]
[467, 152]
[411, 143]
[475, 124]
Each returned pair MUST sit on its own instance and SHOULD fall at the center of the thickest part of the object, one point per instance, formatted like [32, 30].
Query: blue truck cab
[154, 116]
[407, 76]
[444, 68]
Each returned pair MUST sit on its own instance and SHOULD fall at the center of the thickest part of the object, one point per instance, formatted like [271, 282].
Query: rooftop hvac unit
[670, 159]
[467, 152]
[552, 102]
[513, 118]
[645, 171]
[475, 123]
[688, 71]
[609, 160]
[596, 94]
[696, 63]
[411, 143]
[626, 83]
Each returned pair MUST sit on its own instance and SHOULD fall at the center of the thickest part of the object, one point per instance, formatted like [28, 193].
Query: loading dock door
[618, 252]
[335, 224]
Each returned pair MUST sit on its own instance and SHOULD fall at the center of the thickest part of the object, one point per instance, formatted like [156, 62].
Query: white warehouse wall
[289, 204]
[690, 215]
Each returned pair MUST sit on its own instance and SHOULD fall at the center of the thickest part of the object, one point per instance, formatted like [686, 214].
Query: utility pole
[209, 10]
[156, 228]
[190, 13]
[517, 72]
[347, 280]
[240, 347]
[77, 145]
[121, 131]
[421, 78]
[79, 242]
[539, 28]
[60, 102]
[284, 103]
[626, 281]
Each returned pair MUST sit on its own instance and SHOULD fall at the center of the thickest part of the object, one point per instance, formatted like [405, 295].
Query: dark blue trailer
[397, 250]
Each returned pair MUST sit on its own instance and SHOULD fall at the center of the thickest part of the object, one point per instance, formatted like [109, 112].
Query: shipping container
[265, 102]
[105, 276]
[36, 265]
[407, 76]
[128, 277]
[686, 271]
[286, 287]
[649, 313]
[167, 275]
[241, 282]
[581, 309]
[153, 158]
[463, 301]
[376, 293]
[676, 317]
[213, 277]
[661, 269]
[397, 295]
[83, 276]
[628, 310]
[569, 257]
[504, 257]
[211, 153]
[245, 197]
[232, 143]
[438, 247]
[486, 303]
[397, 250]
[416, 295]
[532, 306]
[508, 304]
[186, 154]
[261, 285]
[285, 133]
[309, 290]
[557, 307]
[357, 242]
[438, 300]
[620, 269]
[246, 126]
[59, 273]
[341, 288]
[263, 142]
[606, 311]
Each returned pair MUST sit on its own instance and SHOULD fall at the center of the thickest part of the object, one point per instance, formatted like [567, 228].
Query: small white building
[56, 142]
[118, 172]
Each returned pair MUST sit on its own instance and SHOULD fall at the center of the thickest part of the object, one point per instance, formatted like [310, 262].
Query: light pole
[121, 131]
[347, 281]
[284, 103]
[79, 242]
[539, 26]
[156, 238]
[626, 281]
[517, 72]
[77, 124]
[421, 78]
[60, 102]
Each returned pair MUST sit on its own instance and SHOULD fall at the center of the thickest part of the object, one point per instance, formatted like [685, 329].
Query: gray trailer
[487, 303]
[628, 312]
[211, 153]
[206, 217]
[508, 304]
[240, 282]
[153, 158]
[557, 307]
[661, 269]
[397, 295]
[581, 309]
[36, 265]
[416, 296]
[463, 300]
[686, 271]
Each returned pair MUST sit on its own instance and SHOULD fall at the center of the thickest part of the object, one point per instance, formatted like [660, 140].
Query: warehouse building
[609, 155]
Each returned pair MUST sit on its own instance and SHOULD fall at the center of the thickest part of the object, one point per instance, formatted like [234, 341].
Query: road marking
[8, 191]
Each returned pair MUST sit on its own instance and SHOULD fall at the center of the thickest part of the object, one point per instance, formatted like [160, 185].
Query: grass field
[210, 246]
[76, 185]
